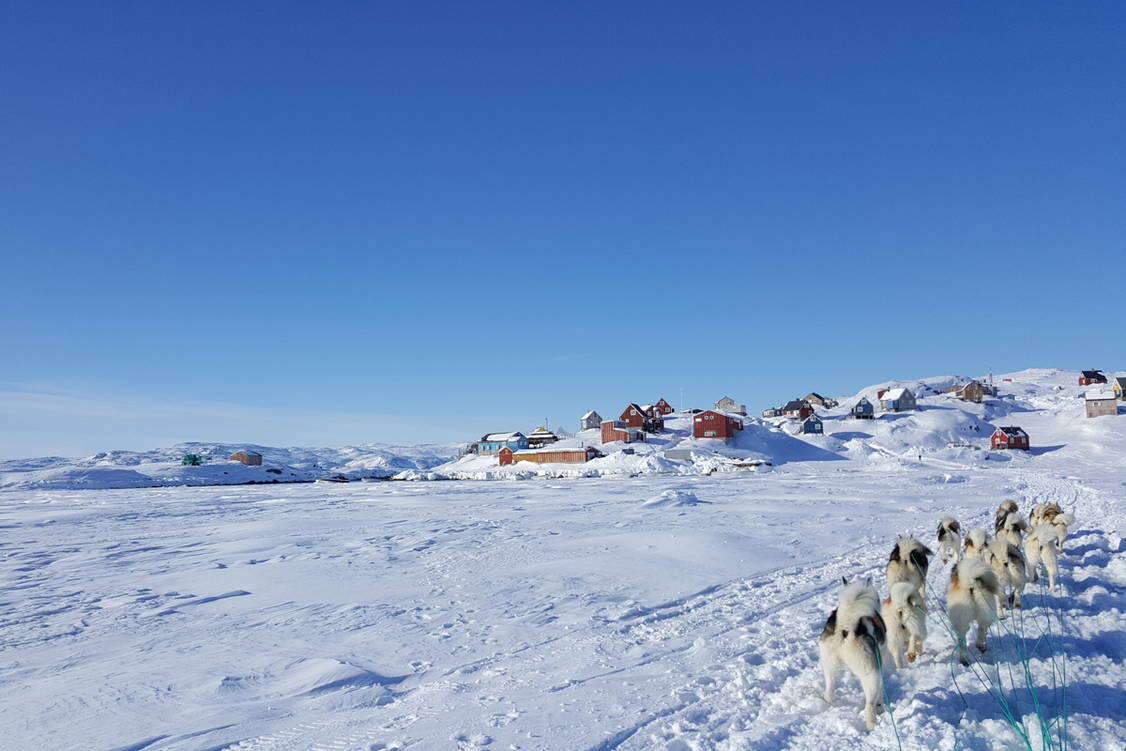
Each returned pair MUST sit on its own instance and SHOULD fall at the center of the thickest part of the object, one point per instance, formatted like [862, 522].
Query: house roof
[540, 432]
[248, 452]
[795, 404]
[1093, 374]
[814, 395]
[590, 414]
[1011, 430]
[503, 436]
[896, 393]
[811, 418]
[1121, 381]
[1094, 396]
[635, 405]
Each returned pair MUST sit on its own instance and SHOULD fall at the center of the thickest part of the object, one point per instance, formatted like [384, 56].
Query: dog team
[988, 576]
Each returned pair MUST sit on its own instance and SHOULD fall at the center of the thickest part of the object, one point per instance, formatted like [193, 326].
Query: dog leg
[829, 668]
[873, 705]
[982, 628]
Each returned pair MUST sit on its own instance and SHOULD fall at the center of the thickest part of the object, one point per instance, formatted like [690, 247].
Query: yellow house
[1119, 387]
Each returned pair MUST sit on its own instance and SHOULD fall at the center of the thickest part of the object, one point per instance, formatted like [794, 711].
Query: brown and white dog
[976, 540]
[853, 638]
[949, 539]
[905, 616]
[1061, 522]
[1043, 513]
[908, 562]
[1040, 548]
[970, 599]
[1007, 507]
[1009, 565]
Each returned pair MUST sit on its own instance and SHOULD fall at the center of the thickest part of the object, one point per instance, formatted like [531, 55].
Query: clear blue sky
[299, 223]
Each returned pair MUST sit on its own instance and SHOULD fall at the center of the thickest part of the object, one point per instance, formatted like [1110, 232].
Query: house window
[709, 434]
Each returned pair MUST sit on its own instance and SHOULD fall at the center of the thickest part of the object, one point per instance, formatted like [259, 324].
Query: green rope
[887, 699]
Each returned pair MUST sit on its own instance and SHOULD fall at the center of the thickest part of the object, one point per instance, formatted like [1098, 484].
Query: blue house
[812, 425]
[864, 410]
[494, 442]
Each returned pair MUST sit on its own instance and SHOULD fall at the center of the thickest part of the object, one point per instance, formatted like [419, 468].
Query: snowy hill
[944, 429]
[944, 432]
[162, 467]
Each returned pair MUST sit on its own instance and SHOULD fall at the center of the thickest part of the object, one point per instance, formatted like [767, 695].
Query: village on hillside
[722, 424]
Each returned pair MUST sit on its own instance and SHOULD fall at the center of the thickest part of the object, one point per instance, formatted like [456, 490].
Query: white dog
[853, 638]
[1040, 547]
[976, 540]
[949, 539]
[1012, 527]
[970, 599]
[908, 562]
[1061, 522]
[1011, 569]
[905, 616]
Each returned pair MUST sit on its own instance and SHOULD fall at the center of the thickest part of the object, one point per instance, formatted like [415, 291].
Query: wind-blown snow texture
[658, 611]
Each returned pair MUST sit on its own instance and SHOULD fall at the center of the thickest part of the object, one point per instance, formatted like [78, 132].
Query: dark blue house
[812, 425]
[864, 410]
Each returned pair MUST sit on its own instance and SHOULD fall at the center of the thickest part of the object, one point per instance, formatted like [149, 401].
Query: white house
[727, 404]
[898, 400]
[590, 421]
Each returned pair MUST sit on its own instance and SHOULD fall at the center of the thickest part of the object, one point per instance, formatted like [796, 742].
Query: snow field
[652, 612]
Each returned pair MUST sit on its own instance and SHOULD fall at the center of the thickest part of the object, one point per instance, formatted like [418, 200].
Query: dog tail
[870, 629]
[976, 576]
[1065, 519]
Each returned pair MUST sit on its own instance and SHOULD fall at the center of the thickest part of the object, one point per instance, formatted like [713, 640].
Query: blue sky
[291, 224]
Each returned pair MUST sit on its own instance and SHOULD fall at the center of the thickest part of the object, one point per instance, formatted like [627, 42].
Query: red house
[1009, 438]
[635, 416]
[1091, 377]
[663, 407]
[616, 430]
[505, 455]
[797, 409]
[712, 424]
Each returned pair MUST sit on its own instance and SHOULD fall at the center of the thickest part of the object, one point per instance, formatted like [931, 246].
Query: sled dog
[1012, 527]
[908, 562]
[970, 599]
[1007, 507]
[1011, 569]
[949, 539]
[1040, 548]
[976, 541]
[1061, 522]
[905, 616]
[1044, 513]
[853, 638]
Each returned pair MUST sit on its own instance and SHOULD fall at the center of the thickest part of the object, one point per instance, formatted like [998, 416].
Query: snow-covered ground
[666, 611]
[163, 467]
